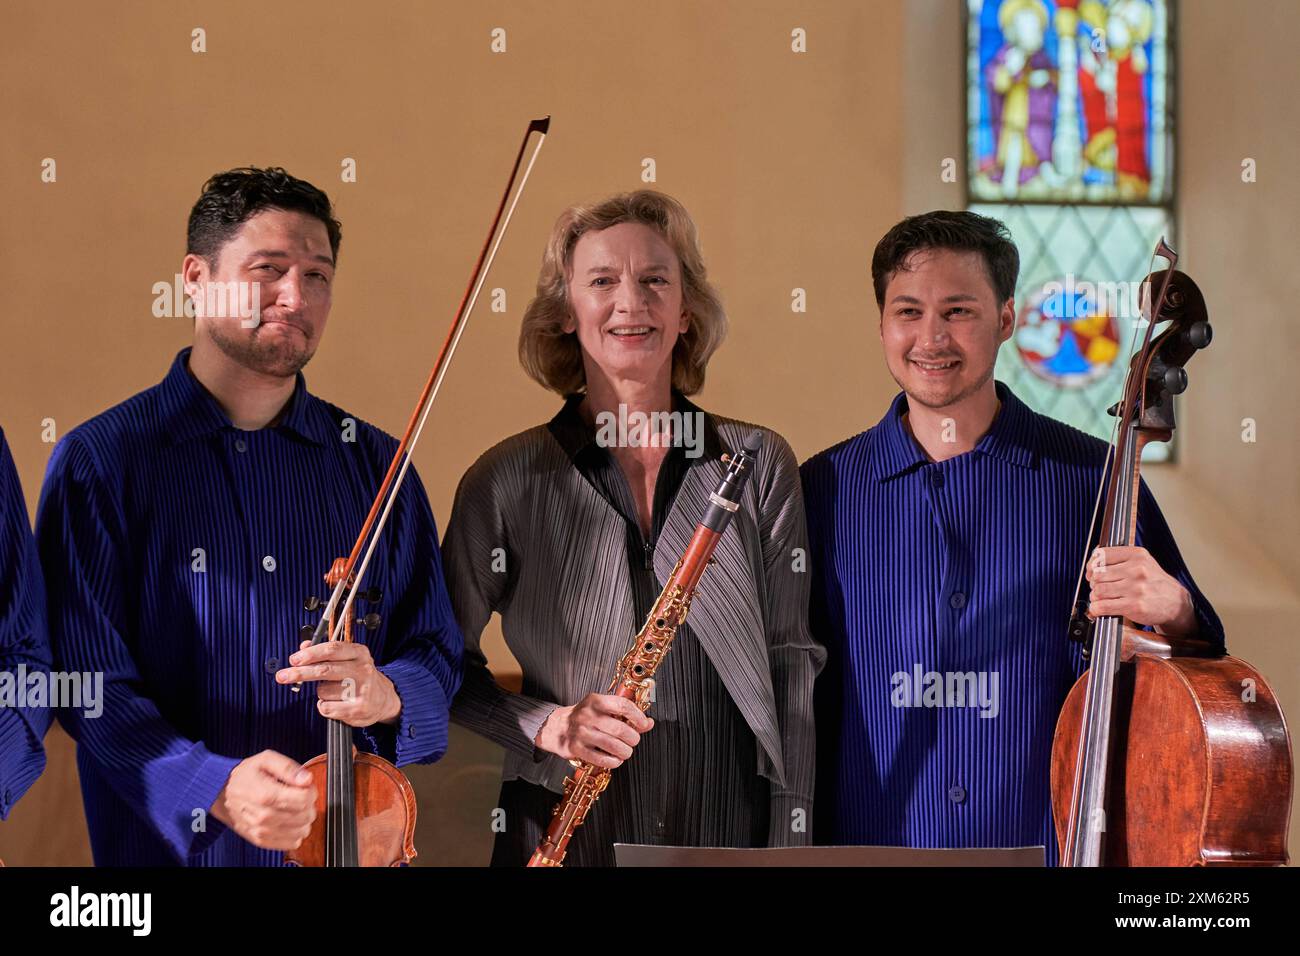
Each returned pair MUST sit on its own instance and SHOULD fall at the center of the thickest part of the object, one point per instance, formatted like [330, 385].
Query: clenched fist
[268, 800]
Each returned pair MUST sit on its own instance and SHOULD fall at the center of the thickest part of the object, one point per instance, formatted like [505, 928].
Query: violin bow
[401, 463]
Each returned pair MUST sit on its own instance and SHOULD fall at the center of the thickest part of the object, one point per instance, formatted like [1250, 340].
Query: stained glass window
[1068, 101]
[1070, 143]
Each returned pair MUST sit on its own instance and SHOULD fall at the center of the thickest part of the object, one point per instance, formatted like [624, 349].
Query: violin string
[437, 384]
[339, 807]
[334, 798]
[334, 802]
[330, 759]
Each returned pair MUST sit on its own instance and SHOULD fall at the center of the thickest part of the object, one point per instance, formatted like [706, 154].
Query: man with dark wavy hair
[181, 531]
[945, 544]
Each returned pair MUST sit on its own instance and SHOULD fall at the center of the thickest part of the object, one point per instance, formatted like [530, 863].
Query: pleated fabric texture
[24, 641]
[964, 569]
[178, 551]
[535, 540]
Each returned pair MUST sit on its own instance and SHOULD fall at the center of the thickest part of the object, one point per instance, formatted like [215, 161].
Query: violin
[1167, 752]
[365, 806]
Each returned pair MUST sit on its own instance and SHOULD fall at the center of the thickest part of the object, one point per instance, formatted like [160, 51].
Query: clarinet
[634, 679]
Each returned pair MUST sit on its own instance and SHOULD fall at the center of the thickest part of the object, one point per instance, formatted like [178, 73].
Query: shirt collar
[577, 437]
[1010, 438]
[190, 411]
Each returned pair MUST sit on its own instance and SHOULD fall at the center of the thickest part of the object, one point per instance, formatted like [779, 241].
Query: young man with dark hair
[180, 533]
[945, 544]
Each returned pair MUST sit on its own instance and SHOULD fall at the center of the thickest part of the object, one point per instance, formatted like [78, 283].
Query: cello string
[1144, 311]
[1090, 776]
[1085, 761]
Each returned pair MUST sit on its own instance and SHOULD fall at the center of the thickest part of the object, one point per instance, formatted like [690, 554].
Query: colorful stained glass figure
[1078, 302]
[1066, 335]
[1068, 101]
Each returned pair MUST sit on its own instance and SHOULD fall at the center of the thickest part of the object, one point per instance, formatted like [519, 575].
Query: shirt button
[936, 479]
[659, 825]
[240, 445]
[272, 665]
[268, 562]
[410, 730]
[957, 793]
[957, 601]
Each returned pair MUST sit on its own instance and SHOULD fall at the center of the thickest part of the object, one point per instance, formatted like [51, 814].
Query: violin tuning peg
[371, 621]
[311, 604]
[1113, 410]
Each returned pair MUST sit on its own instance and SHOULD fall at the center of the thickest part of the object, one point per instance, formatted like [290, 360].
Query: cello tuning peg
[1175, 379]
[1113, 410]
[371, 621]
[1200, 334]
[306, 632]
[311, 604]
[371, 594]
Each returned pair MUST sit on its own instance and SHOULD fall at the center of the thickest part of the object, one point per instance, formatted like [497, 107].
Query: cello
[365, 806]
[1167, 751]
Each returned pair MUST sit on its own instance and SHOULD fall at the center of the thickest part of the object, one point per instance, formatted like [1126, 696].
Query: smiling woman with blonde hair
[569, 529]
[548, 349]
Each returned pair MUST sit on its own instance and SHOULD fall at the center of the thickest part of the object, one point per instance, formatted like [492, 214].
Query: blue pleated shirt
[178, 551]
[24, 643]
[942, 591]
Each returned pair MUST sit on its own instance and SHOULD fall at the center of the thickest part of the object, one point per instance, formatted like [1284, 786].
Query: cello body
[1200, 773]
